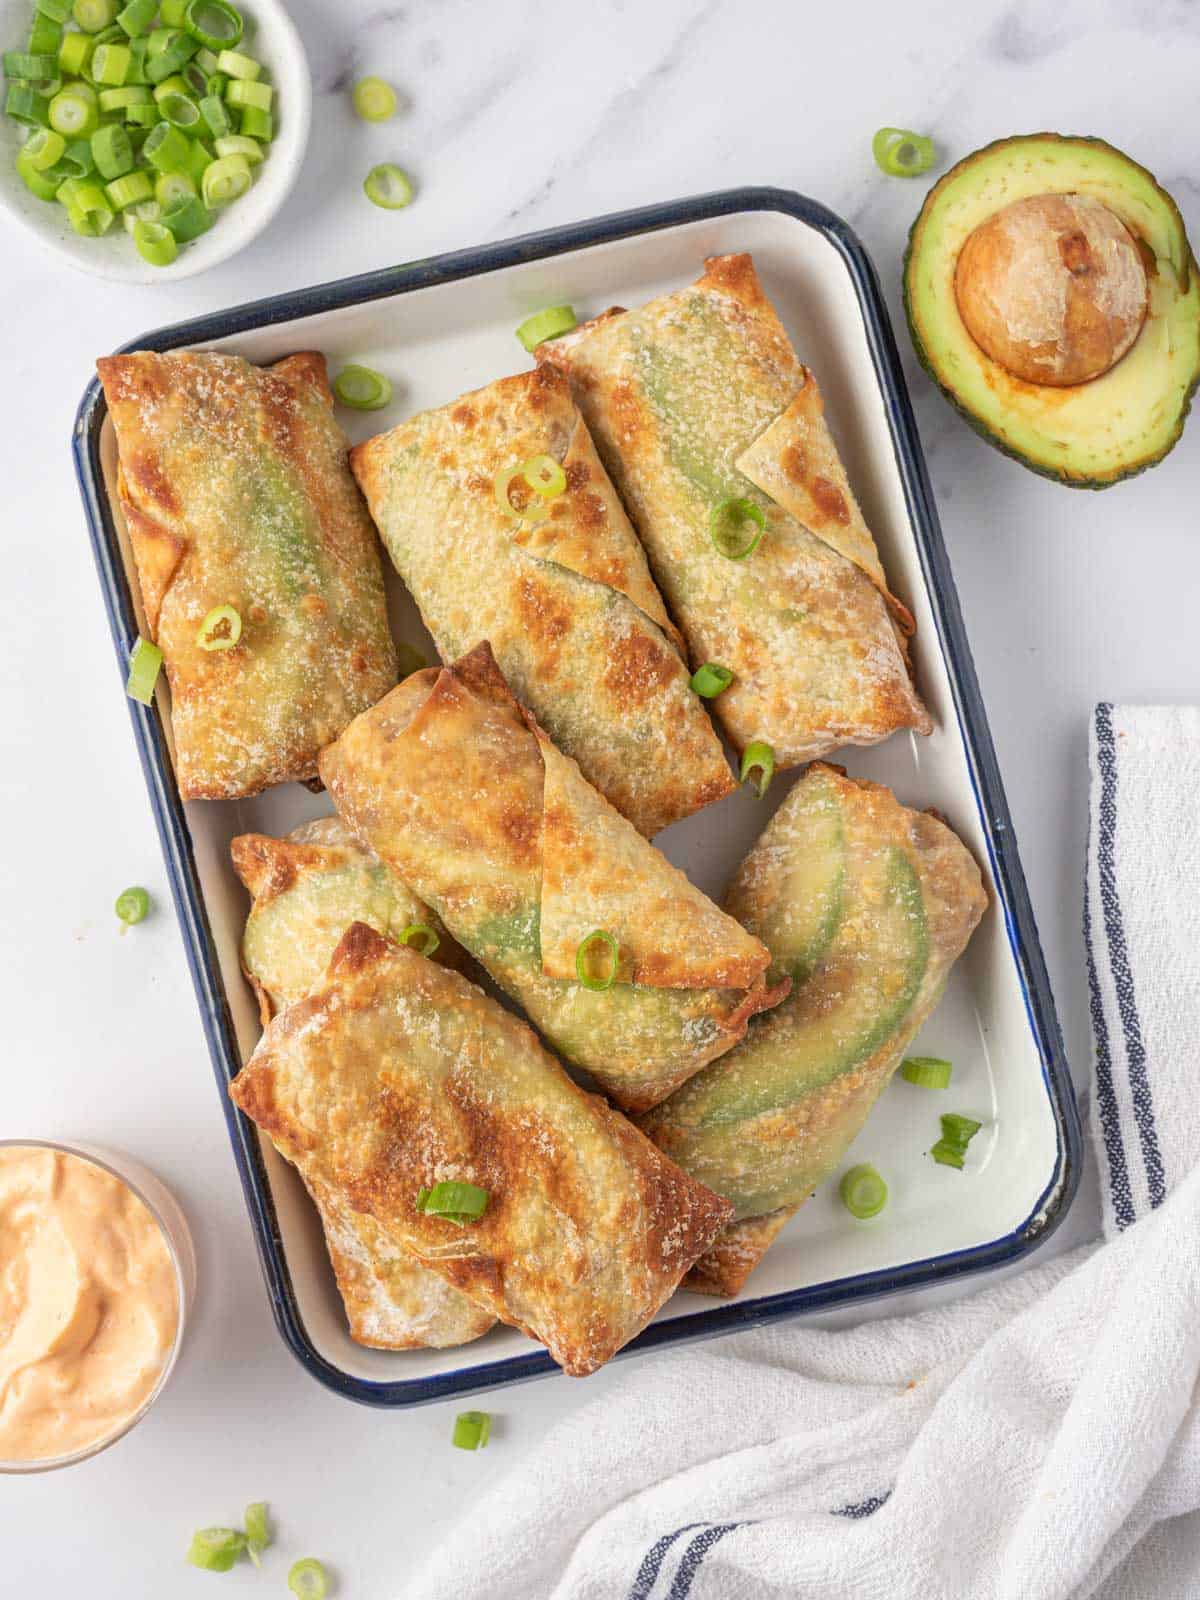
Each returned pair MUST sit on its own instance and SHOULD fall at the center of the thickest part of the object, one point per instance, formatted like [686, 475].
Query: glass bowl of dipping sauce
[97, 1273]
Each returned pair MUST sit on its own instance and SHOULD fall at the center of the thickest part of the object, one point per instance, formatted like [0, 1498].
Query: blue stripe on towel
[1114, 927]
[863, 1508]
[694, 1555]
[647, 1573]
[1106, 1100]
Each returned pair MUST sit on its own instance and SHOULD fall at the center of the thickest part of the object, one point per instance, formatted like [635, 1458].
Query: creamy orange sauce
[89, 1303]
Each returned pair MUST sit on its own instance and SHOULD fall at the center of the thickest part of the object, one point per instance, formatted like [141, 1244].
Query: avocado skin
[977, 423]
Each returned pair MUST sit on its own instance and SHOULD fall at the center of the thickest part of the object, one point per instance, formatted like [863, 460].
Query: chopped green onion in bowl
[132, 905]
[472, 1430]
[548, 324]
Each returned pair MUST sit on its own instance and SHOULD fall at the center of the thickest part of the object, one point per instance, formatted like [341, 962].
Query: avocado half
[1088, 435]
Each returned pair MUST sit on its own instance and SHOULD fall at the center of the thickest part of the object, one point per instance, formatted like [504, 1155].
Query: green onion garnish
[167, 149]
[258, 1531]
[388, 186]
[222, 627]
[45, 185]
[927, 1072]
[134, 94]
[111, 63]
[187, 218]
[224, 180]
[43, 149]
[307, 1579]
[472, 1429]
[730, 523]
[215, 24]
[256, 124]
[236, 144]
[585, 960]
[137, 17]
[88, 210]
[216, 118]
[155, 243]
[532, 508]
[133, 905]
[242, 93]
[74, 54]
[130, 190]
[92, 15]
[144, 211]
[214, 1549]
[711, 680]
[544, 476]
[421, 937]
[25, 64]
[172, 186]
[362, 388]
[864, 1193]
[374, 100]
[548, 324]
[759, 758]
[112, 151]
[180, 110]
[957, 1133]
[236, 65]
[74, 111]
[901, 153]
[24, 104]
[455, 1202]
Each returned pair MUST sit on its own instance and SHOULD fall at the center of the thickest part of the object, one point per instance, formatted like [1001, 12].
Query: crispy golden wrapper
[866, 906]
[454, 785]
[236, 491]
[401, 1074]
[567, 604]
[307, 890]
[698, 399]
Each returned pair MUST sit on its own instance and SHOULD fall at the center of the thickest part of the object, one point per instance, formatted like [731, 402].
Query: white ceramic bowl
[277, 44]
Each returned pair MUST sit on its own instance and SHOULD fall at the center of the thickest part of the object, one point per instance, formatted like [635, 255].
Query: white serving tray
[440, 328]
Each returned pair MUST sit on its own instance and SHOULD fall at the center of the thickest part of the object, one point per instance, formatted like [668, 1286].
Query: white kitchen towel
[1037, 1441]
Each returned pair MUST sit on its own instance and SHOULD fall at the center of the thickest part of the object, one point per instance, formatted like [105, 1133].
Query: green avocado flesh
[816, 1063]
[1087, 435]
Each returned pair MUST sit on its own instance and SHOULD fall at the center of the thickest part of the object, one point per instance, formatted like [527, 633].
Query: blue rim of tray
[1009, 878]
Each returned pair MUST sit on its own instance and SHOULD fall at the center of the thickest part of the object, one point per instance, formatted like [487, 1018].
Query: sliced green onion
[23, 103]
[236, 144]
[144, 211]
[387, 185]
[710, 680]
[533, 508]
[206, 60]
[759, 758]
[216, 118]
[92, 15]
[374, 100]
[145, 663]
[77, 158]
[180, 110]
[45, 36]
[456, 1202]
[242, 93]
[258, 1530]
[864, 1193]
[121, 99]
[155, 243]
[133, 905]
[22, 64]
[138, 49]
[548, 324]
[195, 79]
[43, 149]
[130, 190]
[75, 112]
[142, 115]
[422, 1196]
[947, 1154]
[57, 10]
[216, 84]
[959, 1130]
[137, 17]
[307, 1580]
[172, 13]
[927, 1072]
[187, 218]
[45, 184]
[901, 153]
[170, 58]
[729, 525]
[421, 937]
[235, 65]
[75, 53]
[599, 939]
[200, 158]
[88, 210]
[362, 388]
[409, 659]
[214, 1549]
[167, 149]
[256, 124]
[112, 151]
[214, 23]
[221, 629]
[111, 63]
[225, 180]
[472, 1429]
[544, 476]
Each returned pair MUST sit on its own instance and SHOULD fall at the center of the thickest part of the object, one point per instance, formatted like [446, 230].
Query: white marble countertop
[519, 114]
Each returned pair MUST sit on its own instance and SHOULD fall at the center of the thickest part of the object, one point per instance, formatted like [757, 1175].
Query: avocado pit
[1053, 288]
